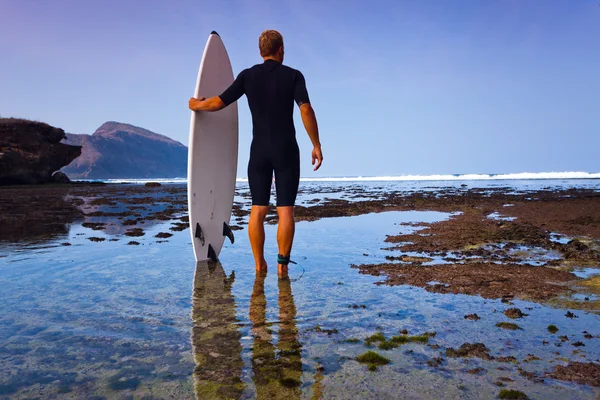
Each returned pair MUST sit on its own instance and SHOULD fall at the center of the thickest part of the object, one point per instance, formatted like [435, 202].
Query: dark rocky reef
[118, 150]
[30, 152]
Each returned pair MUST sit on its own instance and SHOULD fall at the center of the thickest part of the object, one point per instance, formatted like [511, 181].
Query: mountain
[31, 152]
[118, 150]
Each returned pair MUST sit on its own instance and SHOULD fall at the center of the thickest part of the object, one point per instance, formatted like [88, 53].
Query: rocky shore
[31, 152]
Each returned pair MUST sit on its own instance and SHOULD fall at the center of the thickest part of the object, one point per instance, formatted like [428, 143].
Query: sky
[399, 87]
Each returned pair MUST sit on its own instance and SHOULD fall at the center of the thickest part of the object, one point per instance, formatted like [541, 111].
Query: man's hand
[203, 104]
[317, 156]
[194, 103]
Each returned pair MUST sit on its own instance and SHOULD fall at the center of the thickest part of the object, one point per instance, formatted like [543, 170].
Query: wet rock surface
[514, 313]
[584, 373]
[496, 251]
[478, 350]
[472, 317]
[488, 280]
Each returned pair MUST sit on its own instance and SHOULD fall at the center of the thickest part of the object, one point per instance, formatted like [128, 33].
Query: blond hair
[269, 42]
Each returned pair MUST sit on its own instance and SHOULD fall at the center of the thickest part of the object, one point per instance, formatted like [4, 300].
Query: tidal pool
[110, 320]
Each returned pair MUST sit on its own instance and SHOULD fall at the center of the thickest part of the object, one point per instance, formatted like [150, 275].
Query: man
[271, 89]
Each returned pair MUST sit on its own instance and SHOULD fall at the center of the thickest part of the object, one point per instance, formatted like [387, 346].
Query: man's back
[271, 89]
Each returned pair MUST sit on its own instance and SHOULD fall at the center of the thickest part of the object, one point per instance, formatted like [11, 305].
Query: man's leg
[285, 234]
[287, 179]
[256, 232]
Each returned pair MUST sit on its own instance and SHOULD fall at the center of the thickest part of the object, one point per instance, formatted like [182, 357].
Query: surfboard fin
[211, 253]
[228, 232]
[199, 234]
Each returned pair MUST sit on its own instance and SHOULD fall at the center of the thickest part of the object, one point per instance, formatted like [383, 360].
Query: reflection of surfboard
[212, 156]
[215, 335]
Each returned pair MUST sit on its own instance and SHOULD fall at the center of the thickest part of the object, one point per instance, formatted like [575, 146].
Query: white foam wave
[455, 177]
[143, 181]
[468, 177]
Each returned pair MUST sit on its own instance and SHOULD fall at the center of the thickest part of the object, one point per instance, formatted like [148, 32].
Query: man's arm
[310, 124]
[216, 103]
[211, 104]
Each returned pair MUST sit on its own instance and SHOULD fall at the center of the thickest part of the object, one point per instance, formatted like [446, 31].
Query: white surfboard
[212, 156]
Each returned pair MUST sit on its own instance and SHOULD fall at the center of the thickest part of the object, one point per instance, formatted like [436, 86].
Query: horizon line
[397, 178]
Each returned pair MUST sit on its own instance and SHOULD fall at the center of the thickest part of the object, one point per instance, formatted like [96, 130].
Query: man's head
[270, 44]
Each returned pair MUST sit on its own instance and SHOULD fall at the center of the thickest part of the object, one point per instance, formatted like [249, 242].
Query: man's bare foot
[282, 271]
[261, 267]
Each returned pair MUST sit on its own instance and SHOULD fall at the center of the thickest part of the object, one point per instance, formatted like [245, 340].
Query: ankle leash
[285, 261]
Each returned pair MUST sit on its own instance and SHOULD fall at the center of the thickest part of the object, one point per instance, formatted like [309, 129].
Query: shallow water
[110, 320]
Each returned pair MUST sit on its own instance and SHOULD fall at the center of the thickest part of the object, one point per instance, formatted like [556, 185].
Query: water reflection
[35, 215]
[42, 214]
[276, 365]
[277, 369]
[215, 335]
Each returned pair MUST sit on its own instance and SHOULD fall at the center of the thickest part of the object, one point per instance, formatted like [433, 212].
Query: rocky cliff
[118, 150]
[30, 152]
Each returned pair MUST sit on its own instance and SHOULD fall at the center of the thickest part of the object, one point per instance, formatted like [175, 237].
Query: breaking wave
[391, 178]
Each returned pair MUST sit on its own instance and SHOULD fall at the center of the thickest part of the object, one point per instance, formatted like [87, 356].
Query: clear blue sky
[399, 87]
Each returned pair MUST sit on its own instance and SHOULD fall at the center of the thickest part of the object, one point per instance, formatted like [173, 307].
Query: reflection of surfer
[275, 378]
[271, 89]
[215, 335]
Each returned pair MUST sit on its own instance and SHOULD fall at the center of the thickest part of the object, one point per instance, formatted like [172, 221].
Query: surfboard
[212, 156]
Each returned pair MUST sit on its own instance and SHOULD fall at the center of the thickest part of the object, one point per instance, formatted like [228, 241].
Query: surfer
[271, 89]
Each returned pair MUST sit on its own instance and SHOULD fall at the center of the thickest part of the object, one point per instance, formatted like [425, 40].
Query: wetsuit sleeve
[235, 91]
[300, 92]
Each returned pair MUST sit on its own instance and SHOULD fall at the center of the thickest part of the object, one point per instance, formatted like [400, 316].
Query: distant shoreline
[396, 178]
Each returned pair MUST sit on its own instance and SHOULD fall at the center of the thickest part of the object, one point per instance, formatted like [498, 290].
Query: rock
[134, 232]
[582, 373]
[435, 362]
[30, 152]
[577, 250]
[470, 350]
[569, 314]
[60, 177]
[163, 235]
[507, 359]
[514, 313]
[476, 371]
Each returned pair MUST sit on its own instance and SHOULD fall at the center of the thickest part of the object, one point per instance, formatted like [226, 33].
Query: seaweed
[508, 325]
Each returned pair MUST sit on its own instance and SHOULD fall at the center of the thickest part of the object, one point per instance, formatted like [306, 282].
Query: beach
[464, 288]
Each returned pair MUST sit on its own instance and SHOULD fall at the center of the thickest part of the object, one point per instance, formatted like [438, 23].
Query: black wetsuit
[271, 89]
